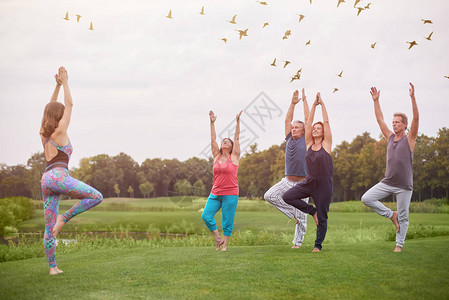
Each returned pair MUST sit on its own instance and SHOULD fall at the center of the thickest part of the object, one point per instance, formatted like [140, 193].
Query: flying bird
[233, 20]
[367, 6]
[360, 9]
[286, 63]
[356, 2]
[202, 11]
[274, 62]
[299, 71]
[263, 3]
[339, 75]
[224, 40]
[265, 24]
[373, 45]
[78, 17]
[295, 77]
[308, 42]
[300, 18]
[287, 34]
[428, 38]
[242, 33]
[339, 2]
[310, 1]
[412, 44]
[335, 90]
[446, 77]
[91, 27]
[169, 15]
[66, 16]
[426, 21]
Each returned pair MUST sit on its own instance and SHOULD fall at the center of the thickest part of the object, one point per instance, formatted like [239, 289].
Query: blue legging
[57, 182]
[228, 205]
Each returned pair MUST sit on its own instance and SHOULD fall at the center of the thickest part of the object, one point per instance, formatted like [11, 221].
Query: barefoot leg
[58, 226]
[225, 243]
[315, 217]
[55, 271]
[397, 249]
[394, 219]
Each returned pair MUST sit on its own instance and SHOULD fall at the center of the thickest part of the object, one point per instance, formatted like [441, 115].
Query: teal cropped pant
[228, 205]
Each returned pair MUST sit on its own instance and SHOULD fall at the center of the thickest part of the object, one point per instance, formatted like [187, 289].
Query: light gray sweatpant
[381, 190]
[274, 197]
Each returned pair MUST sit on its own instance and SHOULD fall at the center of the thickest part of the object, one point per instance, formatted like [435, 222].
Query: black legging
[320, 189]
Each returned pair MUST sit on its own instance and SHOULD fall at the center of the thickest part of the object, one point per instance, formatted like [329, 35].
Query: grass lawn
[355, 271]
[357, 261]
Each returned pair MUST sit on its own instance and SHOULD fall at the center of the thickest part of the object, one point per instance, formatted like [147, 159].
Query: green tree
[130, 190]
[36, 165]
[117, 190]
[146, 189]
[199, 189]
[183, 187]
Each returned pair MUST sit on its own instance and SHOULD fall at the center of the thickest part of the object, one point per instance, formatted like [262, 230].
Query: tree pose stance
[225, 189]
[398, 178]
[56, 180]
[320, 169]
[295, 169]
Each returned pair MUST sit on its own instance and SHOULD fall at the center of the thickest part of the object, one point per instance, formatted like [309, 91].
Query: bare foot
[224, 246]
[58, 226]
[397, 249]
[218, 243]
[394, 219]
[316, 250]
[315, 217]
[295, 247]
[55, 271]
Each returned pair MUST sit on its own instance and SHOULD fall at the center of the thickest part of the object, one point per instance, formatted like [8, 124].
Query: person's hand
[411, 90]
[237, 117]
[295, 98]
[63, 76]
[375, 93]
[303, 95]
[317, 99]
[58, 81]
[212, 116]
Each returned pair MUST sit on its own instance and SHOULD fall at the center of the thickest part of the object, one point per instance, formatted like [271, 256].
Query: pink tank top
[225, 178]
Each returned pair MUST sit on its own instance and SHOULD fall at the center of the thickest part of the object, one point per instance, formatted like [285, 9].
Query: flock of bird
[287, 34]
[297, 76]
[78, 17]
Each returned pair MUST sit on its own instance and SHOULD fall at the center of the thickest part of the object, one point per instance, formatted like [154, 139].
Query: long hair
[53, 113]
[232, 145]
[322, 126]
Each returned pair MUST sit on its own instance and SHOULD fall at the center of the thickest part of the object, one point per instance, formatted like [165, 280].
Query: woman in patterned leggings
[56, 180]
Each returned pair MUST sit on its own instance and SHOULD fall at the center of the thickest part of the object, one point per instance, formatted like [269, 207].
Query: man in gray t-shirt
[398, 178]
[295, 169]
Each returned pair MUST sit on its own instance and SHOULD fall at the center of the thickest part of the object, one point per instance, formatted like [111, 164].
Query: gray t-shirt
[295, 156]
[399, 171]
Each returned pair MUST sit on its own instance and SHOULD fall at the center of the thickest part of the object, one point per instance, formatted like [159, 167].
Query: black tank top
[319, 163]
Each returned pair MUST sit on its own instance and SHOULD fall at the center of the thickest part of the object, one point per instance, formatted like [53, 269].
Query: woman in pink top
[225, 188]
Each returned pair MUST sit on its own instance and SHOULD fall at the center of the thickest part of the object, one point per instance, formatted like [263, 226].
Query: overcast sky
[143, 84]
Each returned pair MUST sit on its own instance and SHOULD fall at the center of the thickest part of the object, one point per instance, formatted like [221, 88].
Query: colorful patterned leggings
[57, 182]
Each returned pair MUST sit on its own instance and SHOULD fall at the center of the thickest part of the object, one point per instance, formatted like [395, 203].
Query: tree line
[358, 165]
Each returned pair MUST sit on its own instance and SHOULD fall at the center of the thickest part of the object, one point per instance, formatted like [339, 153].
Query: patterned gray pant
[274, 197]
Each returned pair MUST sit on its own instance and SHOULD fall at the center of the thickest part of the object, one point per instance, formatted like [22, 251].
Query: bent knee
[267, 196]
[365, 199]
[98, 197]
[287, 198]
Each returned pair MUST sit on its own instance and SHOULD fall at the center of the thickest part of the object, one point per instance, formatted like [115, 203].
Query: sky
[143, 84]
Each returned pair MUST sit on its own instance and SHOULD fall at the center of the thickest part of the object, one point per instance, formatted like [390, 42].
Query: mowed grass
[340, 271]
[357, 261]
